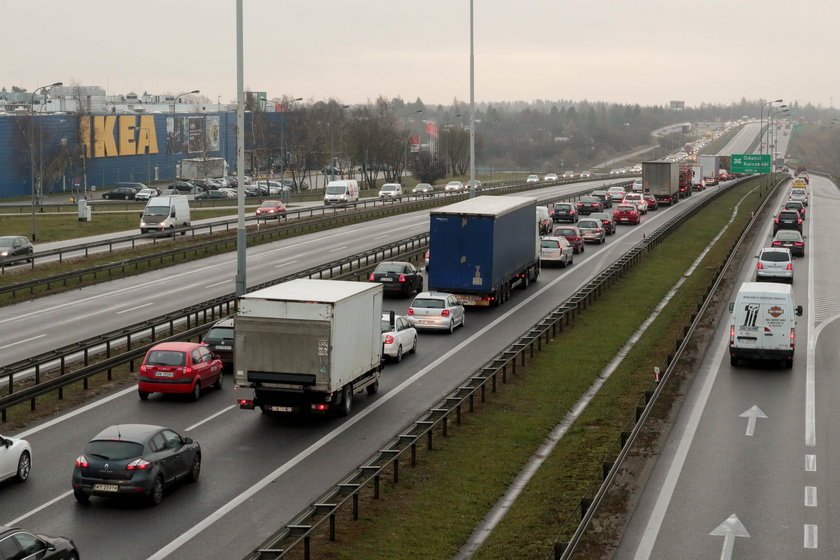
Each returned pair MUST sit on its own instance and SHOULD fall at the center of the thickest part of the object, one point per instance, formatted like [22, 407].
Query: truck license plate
[105, 487]
[282, 409]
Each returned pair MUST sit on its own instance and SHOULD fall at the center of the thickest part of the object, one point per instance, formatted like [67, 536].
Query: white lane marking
[217, 284]
[810, 463]
[810, 496]
[337, 249]
[119, 291]
[752, 415]
[212, 416]
[810, 536]
[810, 373]
[285, 263]
[381, 236]
[30, 339]
[45, 505]
[135, 308]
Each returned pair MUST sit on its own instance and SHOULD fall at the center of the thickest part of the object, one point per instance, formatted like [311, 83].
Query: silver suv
[774, 264]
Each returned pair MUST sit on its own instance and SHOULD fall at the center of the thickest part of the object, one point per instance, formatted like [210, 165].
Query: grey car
[774, 263]
[436, 311]
[592, 230]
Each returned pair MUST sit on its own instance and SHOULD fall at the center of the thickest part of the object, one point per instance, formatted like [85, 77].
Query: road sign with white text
[750, 163]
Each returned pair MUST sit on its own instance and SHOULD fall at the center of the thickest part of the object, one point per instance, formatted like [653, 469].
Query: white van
[391, 191]
[343, 192]
[763, 324]
[165, 213]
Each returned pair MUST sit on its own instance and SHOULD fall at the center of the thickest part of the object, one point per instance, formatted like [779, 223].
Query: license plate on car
[386, 279]
[164, 374]
[224, 348]
[105, 487]
[426, 322]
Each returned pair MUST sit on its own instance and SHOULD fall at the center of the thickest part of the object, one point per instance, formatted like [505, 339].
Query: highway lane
[260, 470]
[779, 481]
[740, 143]
[51, 322]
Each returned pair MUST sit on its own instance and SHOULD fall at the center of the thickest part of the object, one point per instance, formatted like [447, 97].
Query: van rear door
[763, 325]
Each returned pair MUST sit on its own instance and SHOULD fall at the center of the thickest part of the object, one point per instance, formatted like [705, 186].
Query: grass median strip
[436, 505]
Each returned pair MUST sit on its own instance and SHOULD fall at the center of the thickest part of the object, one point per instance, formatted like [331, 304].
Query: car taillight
[142, 369]
[410, 311]
[799, 243]
[402, 278]
[188, 371]
[790, 266]
[731, 335]
[760, 266]
[81, 461]
[371, 278]
[389, 339]
[444, 313]
[776, 220]
[580, 203]
[792, 338]
[138, 465]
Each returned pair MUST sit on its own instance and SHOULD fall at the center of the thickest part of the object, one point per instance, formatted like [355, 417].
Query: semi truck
[697, 182]
[662, 179]
[307, 346]
[483, 248]
[710, 165]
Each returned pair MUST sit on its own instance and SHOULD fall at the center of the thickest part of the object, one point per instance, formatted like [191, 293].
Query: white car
[454, 186]
[586, 175]
[638, 186]
[436, 311]
[568, 174]
[533, 179]
[550, 177]
[391, 191]
[15, 458]
[617, 194]
[146, 194]
[398, 336]
[637, 199]
[556, 250]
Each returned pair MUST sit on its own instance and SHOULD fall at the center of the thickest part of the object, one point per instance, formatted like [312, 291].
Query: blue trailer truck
[484, 247]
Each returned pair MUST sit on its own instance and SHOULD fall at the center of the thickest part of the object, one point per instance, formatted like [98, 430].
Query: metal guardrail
[197, 319]
[324, 510]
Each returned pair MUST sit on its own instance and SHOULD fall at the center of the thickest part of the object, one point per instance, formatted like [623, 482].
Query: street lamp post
[405, 133]
[472, 106]
[761, 124]
[180, 95]
[771, 115]
[32, 149]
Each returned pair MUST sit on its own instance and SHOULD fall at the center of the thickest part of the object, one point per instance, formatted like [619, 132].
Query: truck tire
[346, 401]
[373, 388]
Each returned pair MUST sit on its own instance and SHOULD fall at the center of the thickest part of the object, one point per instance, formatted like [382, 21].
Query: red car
[179, 367]
[271, 209]
[572, 235]
[627, 214]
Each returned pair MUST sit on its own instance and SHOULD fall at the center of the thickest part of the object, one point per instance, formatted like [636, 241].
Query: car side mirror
[188, 441]
[799, 310]
[731, 306]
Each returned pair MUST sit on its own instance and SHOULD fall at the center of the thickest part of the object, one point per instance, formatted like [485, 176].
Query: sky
[625, 51]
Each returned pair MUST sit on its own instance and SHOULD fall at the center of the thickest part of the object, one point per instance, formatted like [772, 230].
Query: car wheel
[220, 382]
[81, 497]
[733, 361]
[464, 320]
[195, 470]
[788, 364]
[156, 495]
[451, 326]
[24, 466]
[398, 357]
[144, 395]
[346, 401]
[126, 197]
[414, 348]
[196, 391]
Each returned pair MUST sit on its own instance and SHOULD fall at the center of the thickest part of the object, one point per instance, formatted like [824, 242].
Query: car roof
[432, 295]
[176, 346]
[775, 249]
[228, 322]
[128, 432]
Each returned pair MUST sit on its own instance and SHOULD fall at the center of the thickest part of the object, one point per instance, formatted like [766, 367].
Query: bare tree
[377, 142]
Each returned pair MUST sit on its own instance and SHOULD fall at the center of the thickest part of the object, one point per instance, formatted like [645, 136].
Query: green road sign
[750, 163]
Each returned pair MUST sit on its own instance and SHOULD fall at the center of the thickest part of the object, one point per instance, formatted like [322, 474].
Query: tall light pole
[761, 124]
[771, 142]
[282, 119]
[32, 149]
[180, 95]
[240, 157]
[405, 133]
[472, 106]
[341, 134]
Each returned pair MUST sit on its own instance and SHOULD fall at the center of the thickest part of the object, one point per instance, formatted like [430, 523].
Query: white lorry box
[308, 345]
[697, 182]
[763, 323]
[341, 193]
[166, 214]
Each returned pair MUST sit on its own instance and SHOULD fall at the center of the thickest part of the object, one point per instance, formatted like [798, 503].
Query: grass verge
[437, 504]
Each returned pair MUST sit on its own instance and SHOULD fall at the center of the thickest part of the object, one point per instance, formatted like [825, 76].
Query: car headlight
[4, 254]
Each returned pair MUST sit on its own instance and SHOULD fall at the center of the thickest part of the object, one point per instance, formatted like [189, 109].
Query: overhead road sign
[750, 163]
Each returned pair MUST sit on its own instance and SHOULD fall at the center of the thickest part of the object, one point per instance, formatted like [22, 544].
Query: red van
[179, 367]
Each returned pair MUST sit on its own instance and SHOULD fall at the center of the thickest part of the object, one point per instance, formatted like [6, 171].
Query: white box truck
[306, 346]
[763, 324]
[165, 214]
[697, 182]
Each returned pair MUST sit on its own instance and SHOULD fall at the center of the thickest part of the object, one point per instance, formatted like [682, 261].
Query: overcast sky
[639, 51]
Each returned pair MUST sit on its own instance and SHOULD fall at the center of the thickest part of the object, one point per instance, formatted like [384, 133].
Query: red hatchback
[626, 214]
[271, 209]
[572, 235]
[179, 367]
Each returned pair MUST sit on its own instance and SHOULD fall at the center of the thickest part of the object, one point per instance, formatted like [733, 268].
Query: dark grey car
[135, 460]
[220, 341]
[17, 544]
[13, 247]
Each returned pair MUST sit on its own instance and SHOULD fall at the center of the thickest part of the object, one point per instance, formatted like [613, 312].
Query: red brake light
[188, 370]
[776, 243]
[790, 266]
[402, 278]
[444, 313]
[143, 369]
[799, 244]
[389, 339]
[760, 266]
[138, 465]
[411, 311]
[371, 278]
[81, 461]
[732, 334]
[792, 337]
[580, 203]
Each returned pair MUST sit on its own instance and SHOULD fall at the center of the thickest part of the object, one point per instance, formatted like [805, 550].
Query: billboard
[192, 135]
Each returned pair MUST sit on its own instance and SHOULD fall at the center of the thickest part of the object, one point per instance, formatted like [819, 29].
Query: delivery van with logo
[341, 193]
[763, 323]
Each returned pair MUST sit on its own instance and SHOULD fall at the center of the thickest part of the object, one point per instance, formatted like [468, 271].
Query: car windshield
[156, 211]
[220, 333]
[588, 224]
[390, 267]
[6, 242]
[775, 256]
[336, 190]
[270, 204]
[565, 232]
[429, 303]
[166, 358]
[454, 183]
[549, 243]
[788, 215]
[114, 450]
[562, 206]
[625, 209]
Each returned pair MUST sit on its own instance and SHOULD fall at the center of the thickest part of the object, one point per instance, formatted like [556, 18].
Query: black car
[135, 460]
[19, 544]
[12, 246]
[588, 204]
[121, 193]
[798, 206]
[220, 341]
[398, 277]
[606, 219]
[564, 212]
[790, 239]
[606, 201]
[787, 219]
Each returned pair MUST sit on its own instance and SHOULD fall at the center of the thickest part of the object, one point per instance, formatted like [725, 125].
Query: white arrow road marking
[752, 414]
[730, 529]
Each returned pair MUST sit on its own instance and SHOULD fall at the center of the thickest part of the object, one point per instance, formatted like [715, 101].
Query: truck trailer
[483, 248]
[710, 165]
[662, 179]
[306, 346]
